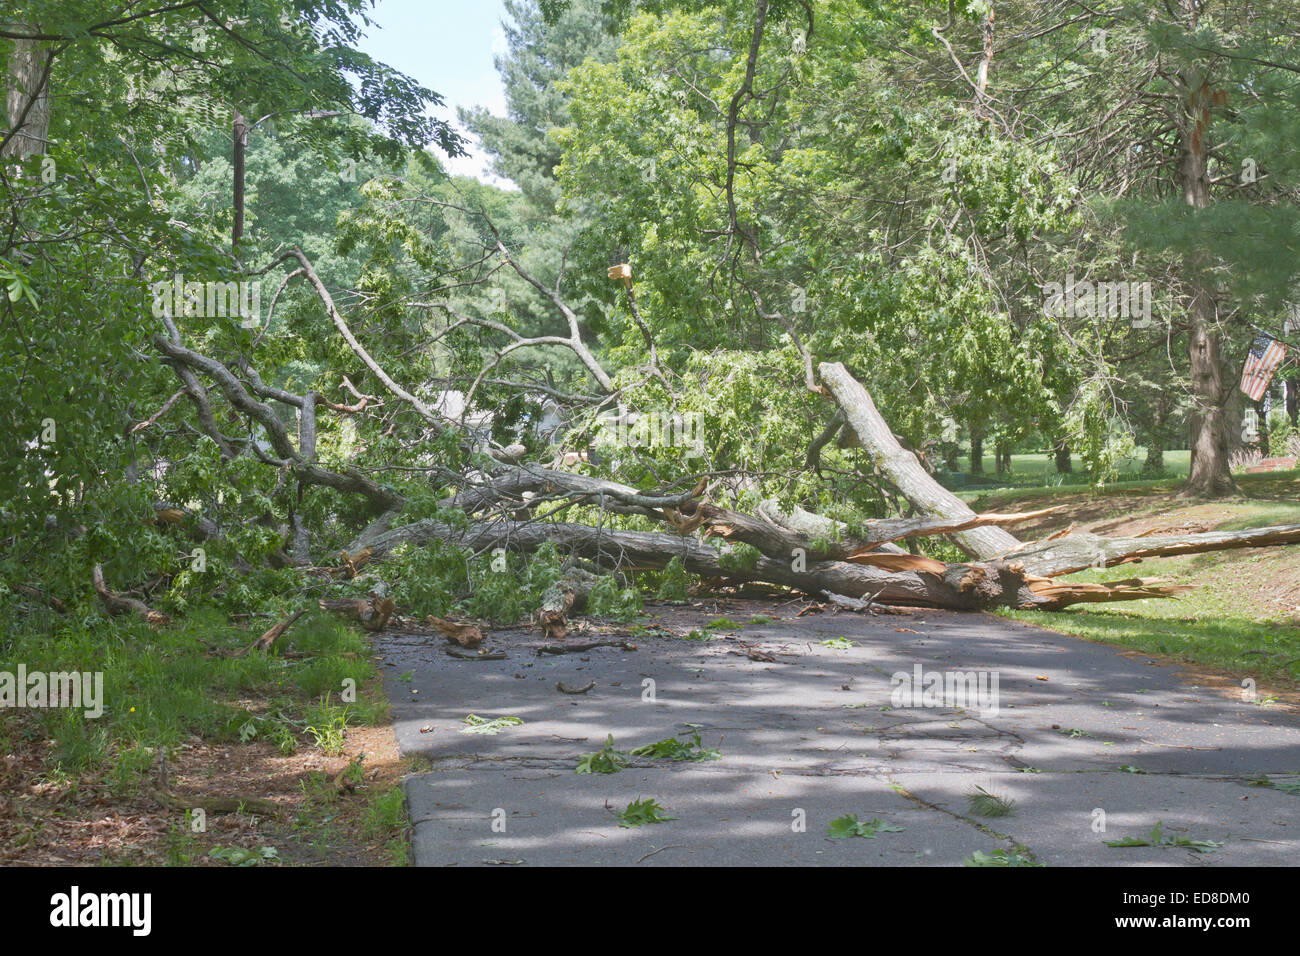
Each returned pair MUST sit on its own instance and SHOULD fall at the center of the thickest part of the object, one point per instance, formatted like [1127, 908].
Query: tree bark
[1007, 574]
[1081, 550]
[1209, 476]
[1155, 462]
[958, 586]
[901, 469]
[121, 604]
[237, 162]
[28, 100]
[1061, 454]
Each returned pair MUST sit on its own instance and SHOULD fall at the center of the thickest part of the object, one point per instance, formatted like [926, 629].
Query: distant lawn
[1039, 470]
[993, 496]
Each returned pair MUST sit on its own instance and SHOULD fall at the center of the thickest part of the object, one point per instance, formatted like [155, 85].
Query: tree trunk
[28, 100]
[1008, 574]
[1209, 475]
[924, 583]
[901, 469]
[1293, 401]
[1155, 463]
[237, 162]
[976, 452]
[1061, 452]
[1075, 552]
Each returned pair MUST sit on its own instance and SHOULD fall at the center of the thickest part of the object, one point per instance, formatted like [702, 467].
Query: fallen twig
[480, 656]
[575, 648]
[264, 642]
[121, 604]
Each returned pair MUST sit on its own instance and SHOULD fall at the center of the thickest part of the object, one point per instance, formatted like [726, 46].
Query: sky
[446, 46]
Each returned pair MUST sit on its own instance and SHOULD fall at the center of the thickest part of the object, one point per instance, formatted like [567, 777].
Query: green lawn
[1039, 470]
[1243, 614]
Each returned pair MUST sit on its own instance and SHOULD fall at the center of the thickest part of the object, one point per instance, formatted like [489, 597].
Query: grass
[163, 686]
[1213, 624]
[169, 689]
[1237, 617]
[1036, 475]
[1038, 471]
[386, 819]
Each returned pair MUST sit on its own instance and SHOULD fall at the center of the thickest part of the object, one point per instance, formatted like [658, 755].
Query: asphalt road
[818, 732]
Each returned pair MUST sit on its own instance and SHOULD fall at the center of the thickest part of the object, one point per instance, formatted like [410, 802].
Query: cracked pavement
[814, 736]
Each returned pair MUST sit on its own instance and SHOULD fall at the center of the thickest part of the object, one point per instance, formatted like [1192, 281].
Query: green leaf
[848, 826]
[640, 812]
[484, 725]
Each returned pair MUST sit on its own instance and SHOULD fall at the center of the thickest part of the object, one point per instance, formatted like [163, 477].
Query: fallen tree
[962, 586]
[516, 505]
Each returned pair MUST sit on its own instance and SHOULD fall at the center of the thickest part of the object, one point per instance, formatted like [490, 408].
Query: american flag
[1266, 354]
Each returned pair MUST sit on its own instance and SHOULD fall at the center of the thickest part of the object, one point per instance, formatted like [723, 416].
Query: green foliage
[438, 578]
[723, 624]
[386, 819]
[163, 686]
[842, 828]
[490, 726]
[985, 804]
[238, 856]
[1280, 432]
[1157, 837]
[608, 599]
[604, 760]
[641, 812]
[999, 858]
[674, 749]
[329, 734]
[739, 557]
[429, 579]
[674, 582]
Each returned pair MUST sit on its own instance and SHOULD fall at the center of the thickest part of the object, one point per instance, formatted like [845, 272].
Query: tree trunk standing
[28, 100]
[1293, 401]
[1209, 476]
[1061, 453]
[976, 453]
[1155, 463]
[237, 161]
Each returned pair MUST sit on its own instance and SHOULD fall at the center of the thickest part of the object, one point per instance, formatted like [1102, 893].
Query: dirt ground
[86, 822]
